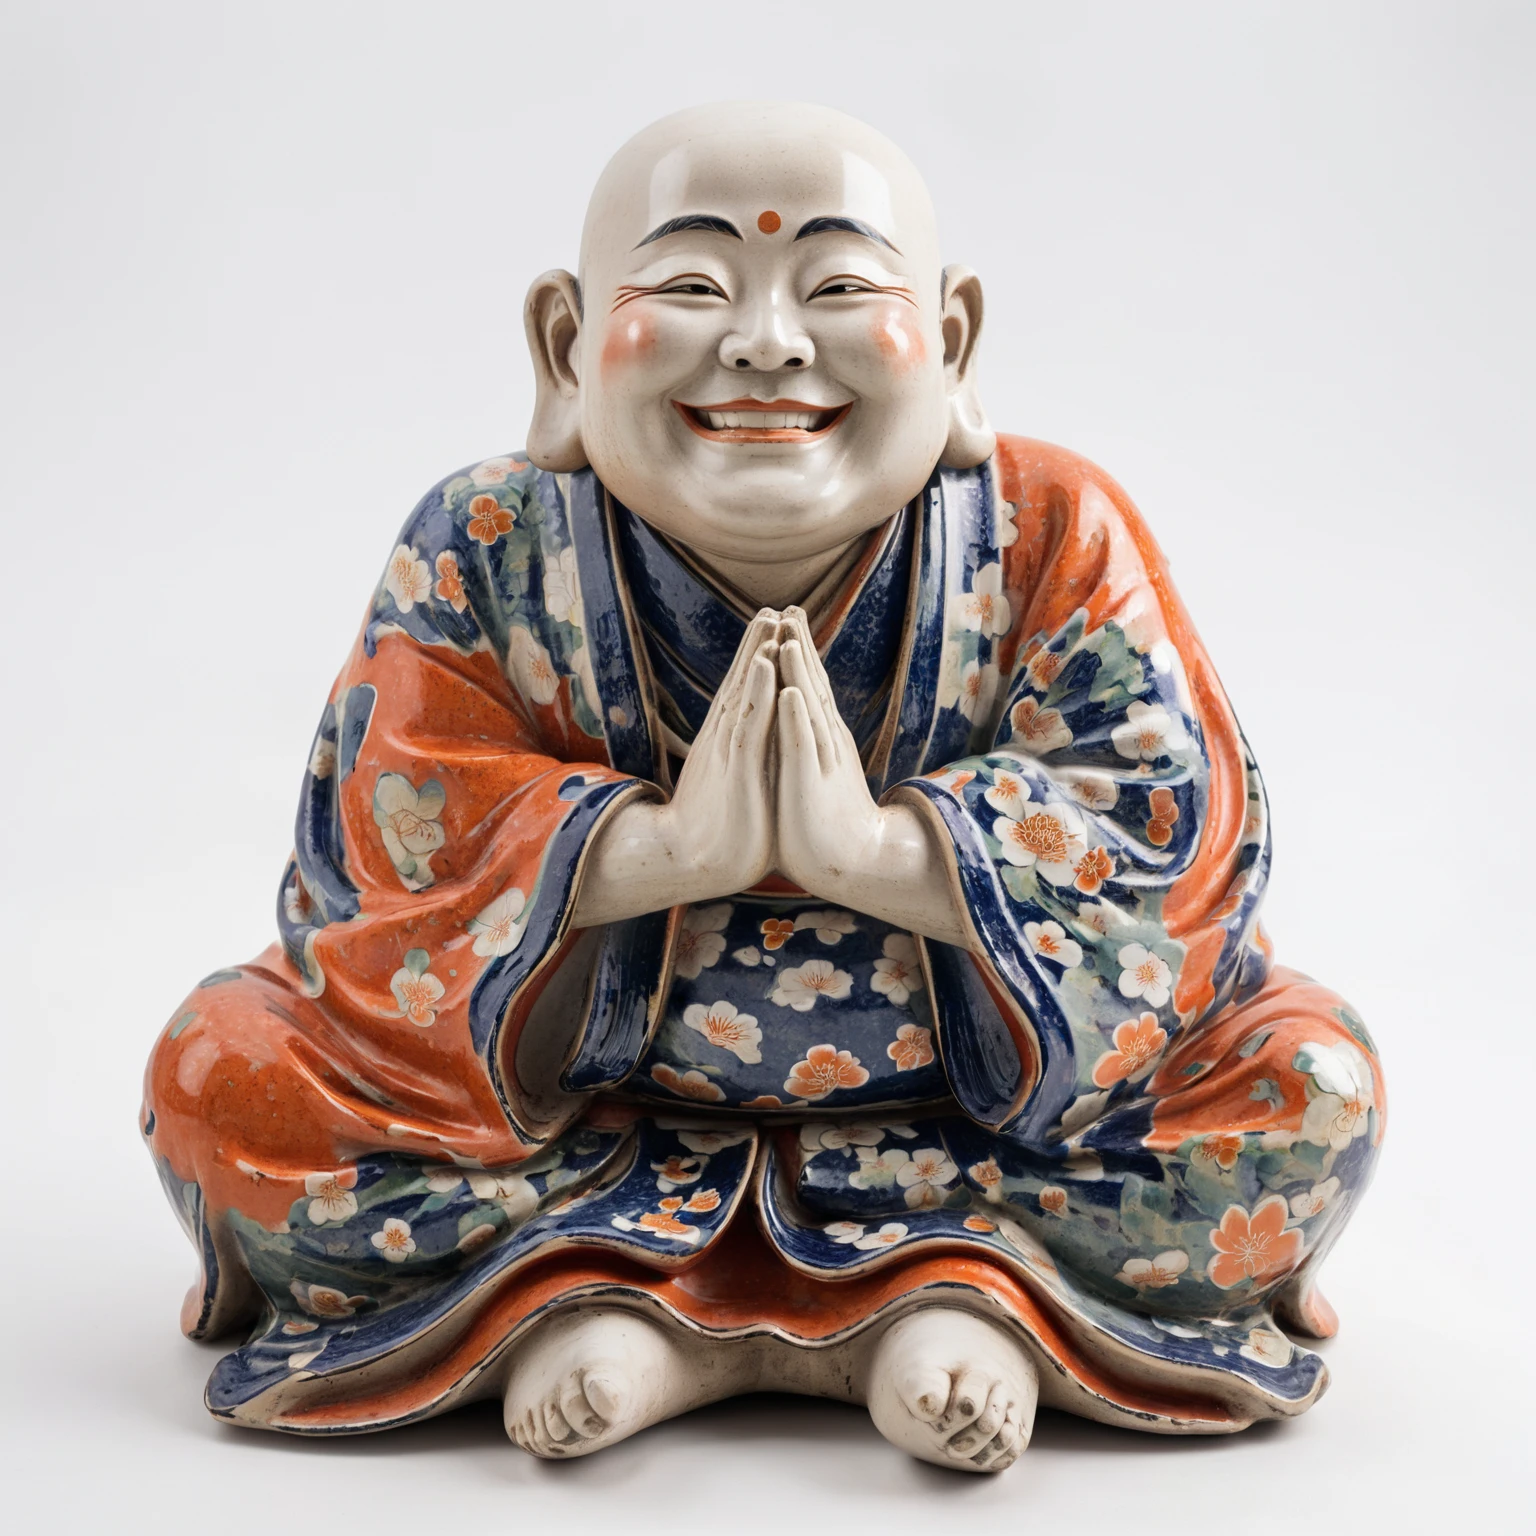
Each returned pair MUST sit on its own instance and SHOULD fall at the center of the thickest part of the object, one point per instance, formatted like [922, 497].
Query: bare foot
[585, 1379]
[950, 1388]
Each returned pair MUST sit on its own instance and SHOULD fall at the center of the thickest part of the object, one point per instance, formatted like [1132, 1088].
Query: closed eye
[692, 285]
[847, 284]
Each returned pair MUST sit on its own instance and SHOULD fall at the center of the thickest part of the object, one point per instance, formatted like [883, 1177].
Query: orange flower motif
[1165, 811]
[1253, 1247]
[1092, 870]
[1053, 1200]
[1138, 1043]
[690, 1085]
[664, 1220]
[450, 585]
[705, 1200]
[979, 1224]
[912, 1048]
[776, 931]
[824, 1070]
[764, 1101]
[488, 519]
[1223, 1150]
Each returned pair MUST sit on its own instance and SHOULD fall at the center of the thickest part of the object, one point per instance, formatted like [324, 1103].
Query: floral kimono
[434, 1111]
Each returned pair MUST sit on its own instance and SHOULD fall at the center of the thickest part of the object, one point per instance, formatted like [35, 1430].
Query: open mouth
[762, 421]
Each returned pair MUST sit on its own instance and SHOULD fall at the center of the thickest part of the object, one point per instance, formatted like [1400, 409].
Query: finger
[755, 715]
[797, 675]
[797, 747]
[763, 630]
[970, 1398]
[798, 626]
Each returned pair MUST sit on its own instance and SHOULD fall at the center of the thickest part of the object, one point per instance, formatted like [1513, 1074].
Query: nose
[769, 341]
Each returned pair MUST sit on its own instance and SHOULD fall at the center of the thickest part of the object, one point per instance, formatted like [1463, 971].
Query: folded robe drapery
[434, 1110]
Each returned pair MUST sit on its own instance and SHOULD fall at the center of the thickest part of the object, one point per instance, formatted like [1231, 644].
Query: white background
[263, 267]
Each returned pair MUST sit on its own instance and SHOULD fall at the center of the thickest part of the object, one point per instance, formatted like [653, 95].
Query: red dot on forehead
[769, 222]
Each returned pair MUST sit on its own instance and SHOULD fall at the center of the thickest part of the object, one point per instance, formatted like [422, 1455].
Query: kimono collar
[692, 623]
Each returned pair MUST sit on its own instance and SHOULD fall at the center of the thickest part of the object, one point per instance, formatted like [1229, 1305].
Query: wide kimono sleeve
[1107, 823]
[457, 778]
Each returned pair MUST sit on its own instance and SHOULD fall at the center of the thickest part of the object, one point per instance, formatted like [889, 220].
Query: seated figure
[775, 901]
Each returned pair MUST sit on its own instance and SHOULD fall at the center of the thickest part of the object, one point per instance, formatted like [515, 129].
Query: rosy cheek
[630, 339]
[899, 341]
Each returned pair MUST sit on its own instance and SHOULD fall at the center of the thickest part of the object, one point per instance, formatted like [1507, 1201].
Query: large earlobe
[552, 319]
[971, 439]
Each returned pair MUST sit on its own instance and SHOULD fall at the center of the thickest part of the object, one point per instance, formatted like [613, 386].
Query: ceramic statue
[775, 899]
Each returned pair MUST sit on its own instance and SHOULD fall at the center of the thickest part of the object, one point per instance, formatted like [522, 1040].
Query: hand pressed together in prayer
[772, 783]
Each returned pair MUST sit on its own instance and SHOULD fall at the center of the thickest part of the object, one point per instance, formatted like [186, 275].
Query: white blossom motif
[749, 955]
[1148, 732]
[678, 1171]
[700, 939]
[325, 1300]
[394, 1240]
[984, 608]
[712, 1141]
[1101, 917]
[530, 666]
[1005, 526]
[844, 1231]
[1314, 1201]
[562, 589]
[816, 1137]
[511, 1191]
[498, 929]
[1345, 1093]
[830, 927]
[407, 579]
[331, 1197]
[1144, 975]
[1008, 794]
[926, 1177]
[495, 471]
[1266, 1346]
[444, 1179]
[416, 989]
[990, 1177]
[322, 759]
[799, 986]
[1049, 940]
[1092, 790]
[898, 973]
[408, 826]
[1038, 730]
[724, 1027]
[297, 906]
[1047, 838]
[1154, 1274]
[969, 688]
[878, 1170]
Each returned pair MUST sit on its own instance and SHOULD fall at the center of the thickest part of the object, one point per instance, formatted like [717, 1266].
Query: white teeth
[761, 421]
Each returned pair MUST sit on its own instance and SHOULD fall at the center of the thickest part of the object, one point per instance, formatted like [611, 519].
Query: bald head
[813, 170]
[763, 358]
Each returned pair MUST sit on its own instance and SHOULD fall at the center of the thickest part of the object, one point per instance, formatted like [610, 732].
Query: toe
[556, 1425]
[925, 1392]
[603, 1394]
[986, 1424]
[579, 1413]
[970, 1397]
[1000, 1452]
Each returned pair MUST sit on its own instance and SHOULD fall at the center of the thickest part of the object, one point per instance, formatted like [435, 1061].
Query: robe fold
[434, 1111]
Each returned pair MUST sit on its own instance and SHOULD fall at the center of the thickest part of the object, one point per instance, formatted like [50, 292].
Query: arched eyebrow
[692, 221]
[828, 225]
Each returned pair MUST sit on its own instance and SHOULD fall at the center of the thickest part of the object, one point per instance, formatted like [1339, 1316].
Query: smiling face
[763, 367]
